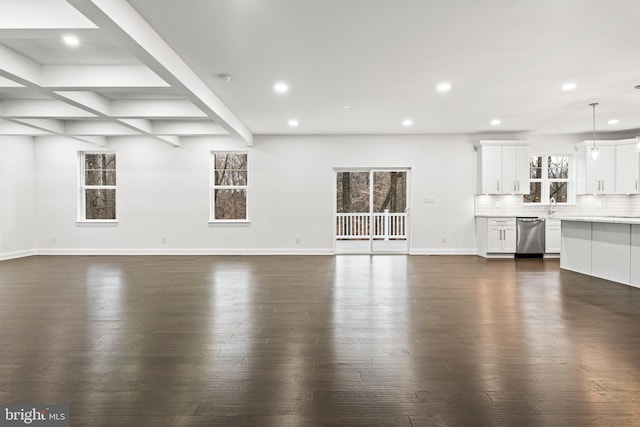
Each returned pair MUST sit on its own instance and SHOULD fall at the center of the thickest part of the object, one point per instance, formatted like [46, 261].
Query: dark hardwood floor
[315, 341]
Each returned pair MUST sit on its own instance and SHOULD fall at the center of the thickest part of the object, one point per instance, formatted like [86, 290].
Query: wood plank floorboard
[319, 341]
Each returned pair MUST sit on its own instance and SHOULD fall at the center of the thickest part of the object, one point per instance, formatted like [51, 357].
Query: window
[549, 178]
[229, 186]
[98, 186]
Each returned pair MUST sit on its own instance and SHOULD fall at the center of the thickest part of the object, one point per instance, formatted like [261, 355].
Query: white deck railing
[358, 226]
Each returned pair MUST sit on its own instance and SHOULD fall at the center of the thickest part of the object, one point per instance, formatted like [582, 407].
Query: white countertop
[612, 219]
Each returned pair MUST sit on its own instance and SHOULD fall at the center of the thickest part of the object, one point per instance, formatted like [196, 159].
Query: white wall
[17, 217]
[163, 191]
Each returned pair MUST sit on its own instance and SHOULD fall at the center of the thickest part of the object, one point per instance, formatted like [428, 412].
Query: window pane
[558, 167]
[100, 204]
[230, 204]
[558, 191]
[231, 177]
[389, 191]
[100, 177]
[100, 161]
[535, 167]
[230, 161]
[352, 189]
[535, 193]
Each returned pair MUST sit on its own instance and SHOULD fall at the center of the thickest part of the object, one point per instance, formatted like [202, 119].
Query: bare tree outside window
[549, 178]
[98, 186]
[230, 183]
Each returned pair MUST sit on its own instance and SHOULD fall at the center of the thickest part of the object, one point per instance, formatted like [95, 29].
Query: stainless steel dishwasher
[530, 237]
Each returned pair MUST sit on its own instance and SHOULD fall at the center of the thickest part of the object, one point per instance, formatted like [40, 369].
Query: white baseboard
[443, 251]
[174, 251]
[16, 254]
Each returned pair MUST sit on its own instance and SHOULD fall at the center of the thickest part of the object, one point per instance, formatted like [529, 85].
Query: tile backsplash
[587, 205]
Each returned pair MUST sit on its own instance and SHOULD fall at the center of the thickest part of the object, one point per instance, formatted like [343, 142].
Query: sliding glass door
[372, 211]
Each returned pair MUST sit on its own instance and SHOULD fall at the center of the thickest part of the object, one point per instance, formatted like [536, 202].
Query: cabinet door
[521, 169]
[509, 172]
[509, 239]
[494, 239]
[552, 239]
[607, 168]
[491, 170]
[600, 173]
[626, 170]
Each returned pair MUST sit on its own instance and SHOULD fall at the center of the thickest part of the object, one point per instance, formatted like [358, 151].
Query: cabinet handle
[518, 185]
[636, 185]
[603, 185]
[514, 186]
[498, 185]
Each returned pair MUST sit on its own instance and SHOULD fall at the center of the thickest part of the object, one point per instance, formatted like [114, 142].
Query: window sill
[98, 222]
[232, 223]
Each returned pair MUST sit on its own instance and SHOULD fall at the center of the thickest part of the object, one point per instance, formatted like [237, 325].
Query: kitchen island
[604, 247]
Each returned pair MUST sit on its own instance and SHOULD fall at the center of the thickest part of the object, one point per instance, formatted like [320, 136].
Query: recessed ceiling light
[569, 86]
[407, 122]
[345, 107]
[71, 40]
[443, 87]
[293, 123]
[613, 121]
[225, 77]
[281, 87]
[495, 122]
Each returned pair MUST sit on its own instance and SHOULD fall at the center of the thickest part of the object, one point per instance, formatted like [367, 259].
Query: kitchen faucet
[550, 206]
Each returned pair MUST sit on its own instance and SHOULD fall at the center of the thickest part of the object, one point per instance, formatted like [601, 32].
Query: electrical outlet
[444, 240]
[297, 239]
[54, 239]
[164, 239]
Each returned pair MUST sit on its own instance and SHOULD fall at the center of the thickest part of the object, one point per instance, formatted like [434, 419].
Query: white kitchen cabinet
[496, 237]
[552, 236]
[600, 172]
[503, 167]
[576, 246]
[627, 168]
[635, 256]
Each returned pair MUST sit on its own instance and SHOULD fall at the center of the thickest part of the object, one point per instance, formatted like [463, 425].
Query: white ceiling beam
[7, 83]
[143, 125]
[16, 128]
[41, 108]
[177, 108]
[18, 67]
[187, 128]
[96, 128]
[70, 77]
[41, 14]
[120, 19]
[94, 101]
[47, 125]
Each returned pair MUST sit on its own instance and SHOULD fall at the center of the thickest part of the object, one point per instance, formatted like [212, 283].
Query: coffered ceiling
[154, 67]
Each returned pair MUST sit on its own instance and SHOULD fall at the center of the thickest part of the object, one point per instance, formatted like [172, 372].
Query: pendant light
[595, 152]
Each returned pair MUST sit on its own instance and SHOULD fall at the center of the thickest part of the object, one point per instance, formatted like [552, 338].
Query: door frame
[371, 170]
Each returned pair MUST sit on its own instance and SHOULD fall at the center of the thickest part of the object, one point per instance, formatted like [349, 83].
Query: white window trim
[545, 181]
[213, 187]
[81, 219]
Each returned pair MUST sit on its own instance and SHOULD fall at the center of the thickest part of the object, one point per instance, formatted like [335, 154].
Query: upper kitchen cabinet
[627, 167]
[503, 167]
[614, 171]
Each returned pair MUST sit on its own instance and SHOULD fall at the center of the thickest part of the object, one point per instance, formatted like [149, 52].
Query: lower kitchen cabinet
[496, 236]
[552, 237]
